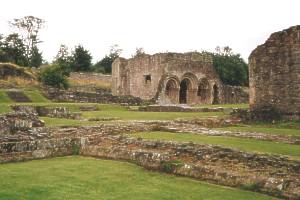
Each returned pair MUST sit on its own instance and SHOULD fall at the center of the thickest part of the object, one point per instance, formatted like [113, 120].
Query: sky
[155, 25]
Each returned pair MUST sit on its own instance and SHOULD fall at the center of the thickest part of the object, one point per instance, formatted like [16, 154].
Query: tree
[12, 49]
[106, 62]
[63, 59]
[53, 76]
[231, 68]
[36, 58]
[29, 27]
[81, 59]
[139, 52]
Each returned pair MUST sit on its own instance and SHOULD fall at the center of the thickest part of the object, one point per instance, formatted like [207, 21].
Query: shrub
[54, 76]
[256, 186]
[266, 113]
[75, 149]
[170, 166]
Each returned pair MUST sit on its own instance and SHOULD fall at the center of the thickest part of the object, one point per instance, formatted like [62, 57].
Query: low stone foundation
[43, 111]
[272, 174]
[100, 96]
[177, 108]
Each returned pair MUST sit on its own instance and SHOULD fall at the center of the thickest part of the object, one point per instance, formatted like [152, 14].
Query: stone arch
[216, 94]
[188, 88]
[203, 91]
[171, 89]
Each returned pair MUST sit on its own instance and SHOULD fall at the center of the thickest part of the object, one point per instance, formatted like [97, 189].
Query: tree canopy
[231, 67]
[81, 59]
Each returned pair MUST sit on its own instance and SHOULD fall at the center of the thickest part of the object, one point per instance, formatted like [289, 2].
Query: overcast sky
[155, 25]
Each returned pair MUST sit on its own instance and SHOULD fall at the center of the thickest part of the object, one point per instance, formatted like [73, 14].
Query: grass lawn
[137, 115]
[67, 122]
[4, 98]
[238, 143]
[90, 178]
[36, 96]
[243, 105]
[261, 129]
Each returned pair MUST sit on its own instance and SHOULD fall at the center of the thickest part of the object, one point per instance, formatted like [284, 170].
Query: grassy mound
[9, 70]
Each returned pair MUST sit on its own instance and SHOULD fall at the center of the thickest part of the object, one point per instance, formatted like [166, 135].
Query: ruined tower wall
[274, 70]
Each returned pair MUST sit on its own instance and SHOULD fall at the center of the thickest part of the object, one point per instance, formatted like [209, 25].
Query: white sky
[155, 25]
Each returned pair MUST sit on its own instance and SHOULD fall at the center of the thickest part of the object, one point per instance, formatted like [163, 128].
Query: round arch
[171, 89]
[188, 88]
[203, 91]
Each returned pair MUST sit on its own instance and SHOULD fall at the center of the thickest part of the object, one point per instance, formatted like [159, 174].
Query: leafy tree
[53, 76]
[106, 62]
[231, 68]
[81, 59]
[63, 59]
[29, 27]
[139, 52]
[97, 67]
[12, 49]
[36, 58]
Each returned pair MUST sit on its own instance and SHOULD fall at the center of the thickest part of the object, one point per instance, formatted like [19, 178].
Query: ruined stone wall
[89, 77]
[235, 94]
[272, 174]
[274, 70]
[163, 76]
[101, 96]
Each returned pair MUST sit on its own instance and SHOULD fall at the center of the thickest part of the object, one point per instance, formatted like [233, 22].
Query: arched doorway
[203, 90]
[171, 90]
[216, 99]
[183, 92]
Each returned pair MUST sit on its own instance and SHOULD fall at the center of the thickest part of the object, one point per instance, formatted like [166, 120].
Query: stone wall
[172, 78]
[44, 111]
[18, 121]
[272, 174]
[101, 96]
[274, 70]
[89, 77]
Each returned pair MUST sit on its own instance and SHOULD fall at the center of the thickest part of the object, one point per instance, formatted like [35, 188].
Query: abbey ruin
[173, 78]
[274, 73]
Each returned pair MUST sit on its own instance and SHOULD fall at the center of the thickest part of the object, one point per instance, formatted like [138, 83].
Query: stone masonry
[173, 78]
[274, 70]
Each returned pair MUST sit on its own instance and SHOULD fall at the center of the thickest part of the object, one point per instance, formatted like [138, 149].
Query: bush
[255, 187]
[170, 166]
[54, 76]
[266, 113]
[75, 149]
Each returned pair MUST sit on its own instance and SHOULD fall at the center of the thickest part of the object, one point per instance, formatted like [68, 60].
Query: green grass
[261, 129]
[36, 96]
[243, 105]
[67, 122]
[4, 98]
[238, 143]
[89, 178]
[4, 108]
[137, 115]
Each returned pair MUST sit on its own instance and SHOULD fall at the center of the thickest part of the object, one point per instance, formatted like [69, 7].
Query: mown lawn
[137, 115]
[90, 178]
[250, 145]
[4, 98]
[67, 122]
[36, 96]
[262, 129]
[242, 105]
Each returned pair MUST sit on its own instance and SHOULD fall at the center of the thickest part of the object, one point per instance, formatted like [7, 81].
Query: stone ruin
[173, 78]
[274, 74]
